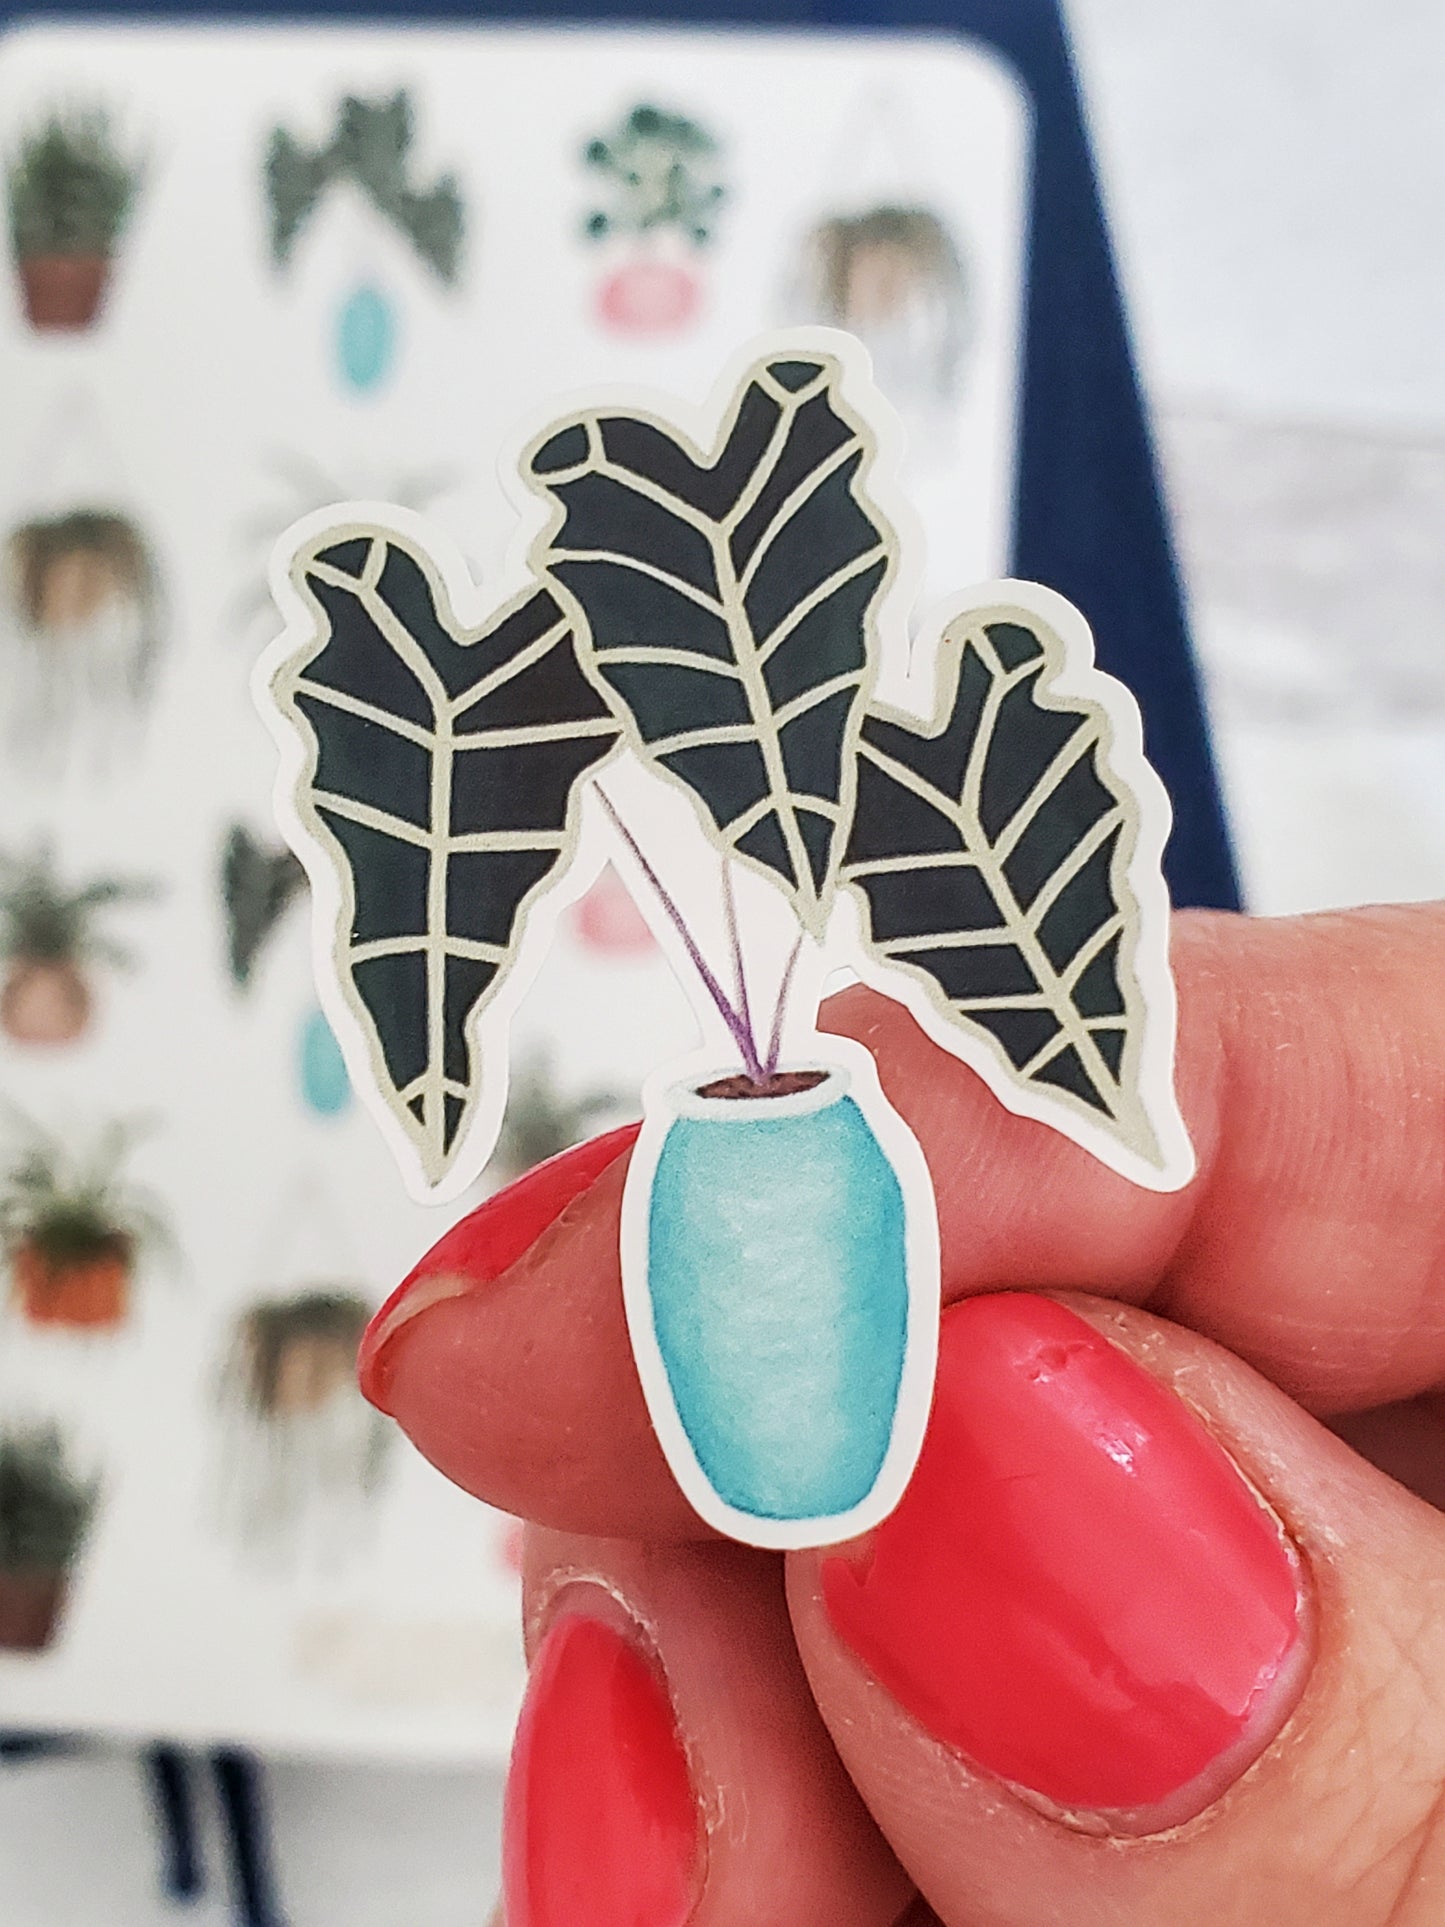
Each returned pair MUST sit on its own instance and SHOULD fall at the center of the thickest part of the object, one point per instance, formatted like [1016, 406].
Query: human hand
[1097, 1668]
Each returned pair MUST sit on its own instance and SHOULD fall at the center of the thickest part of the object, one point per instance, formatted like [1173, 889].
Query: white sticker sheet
[255, 272]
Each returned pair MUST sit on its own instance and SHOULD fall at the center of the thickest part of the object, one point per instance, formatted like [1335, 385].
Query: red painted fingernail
[484, 1244]
[1078, 1591]
[600, 1825]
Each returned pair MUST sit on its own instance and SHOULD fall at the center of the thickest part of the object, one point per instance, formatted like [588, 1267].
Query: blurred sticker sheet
[252, 272]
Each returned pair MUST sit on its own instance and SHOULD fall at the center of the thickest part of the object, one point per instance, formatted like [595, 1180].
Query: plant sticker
[259, 881]
[71, 189]
[894, 275]
[699, 671]
[656, 174]
[48, 939]
[82, 624]
[47, 1509]
[73, 1227]
[370, 148]
[303, 1454]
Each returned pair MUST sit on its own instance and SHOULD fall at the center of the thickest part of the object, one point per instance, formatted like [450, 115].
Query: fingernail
[484, 1244]
[600, 1822]
[1078, 1591]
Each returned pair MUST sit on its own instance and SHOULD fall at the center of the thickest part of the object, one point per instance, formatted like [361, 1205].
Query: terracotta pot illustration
[71, 191]
[777, 1280]
[31, 1604]
[48, 935]
[64, 290]
[72, 1229]
[44, 1002]
[86, 1290]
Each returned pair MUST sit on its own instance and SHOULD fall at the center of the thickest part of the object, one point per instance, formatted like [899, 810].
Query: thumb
[1142, 1642]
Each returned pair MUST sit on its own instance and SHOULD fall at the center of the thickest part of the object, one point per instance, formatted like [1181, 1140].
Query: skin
[1293, 1294]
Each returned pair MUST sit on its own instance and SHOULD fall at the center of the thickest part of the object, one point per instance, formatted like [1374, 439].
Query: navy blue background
[1089, 519]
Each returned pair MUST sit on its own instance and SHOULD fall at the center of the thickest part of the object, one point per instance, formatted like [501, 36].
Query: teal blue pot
[365, 338]
[325, 1087]
[777, 1275]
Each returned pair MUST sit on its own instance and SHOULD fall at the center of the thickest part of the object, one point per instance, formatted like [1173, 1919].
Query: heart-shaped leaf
[726, 604]
[441, 778]
[991, 851]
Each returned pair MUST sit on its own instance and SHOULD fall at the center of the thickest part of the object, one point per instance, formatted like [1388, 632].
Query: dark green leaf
[257, 883]
[990, 851]
[727, 606]
[443, 767]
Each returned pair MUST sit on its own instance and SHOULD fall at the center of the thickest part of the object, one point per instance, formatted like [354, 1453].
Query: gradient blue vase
[777, 1272]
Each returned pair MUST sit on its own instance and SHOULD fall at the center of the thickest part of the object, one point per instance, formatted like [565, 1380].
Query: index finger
[1311, 1072]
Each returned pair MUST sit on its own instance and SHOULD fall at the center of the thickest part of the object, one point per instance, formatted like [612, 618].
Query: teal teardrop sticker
[366, 338]
[324, 1083]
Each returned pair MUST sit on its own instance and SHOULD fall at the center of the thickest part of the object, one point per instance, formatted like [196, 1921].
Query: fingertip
[482, 1246]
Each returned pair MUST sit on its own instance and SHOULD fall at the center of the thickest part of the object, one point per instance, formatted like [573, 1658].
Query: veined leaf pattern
[442, 770]
[990, 850]
[726, 605]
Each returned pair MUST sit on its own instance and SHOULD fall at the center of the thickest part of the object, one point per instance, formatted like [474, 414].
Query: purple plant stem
[775, 1042]
[737, 1030]
[730, 909]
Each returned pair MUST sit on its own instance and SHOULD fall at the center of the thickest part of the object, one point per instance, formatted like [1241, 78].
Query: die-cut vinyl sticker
[698, 670]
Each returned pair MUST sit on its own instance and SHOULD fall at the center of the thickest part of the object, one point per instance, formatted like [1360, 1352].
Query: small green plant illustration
[659, 168]
[371, 146]
[541, 1119]
[71, 190]
[72, 1227]
[48, 935]
[660, 173]
[46, 1510]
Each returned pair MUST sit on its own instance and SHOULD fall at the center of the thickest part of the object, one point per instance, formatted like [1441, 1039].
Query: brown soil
[780, 1084]
[30, 1606]
[63, 290]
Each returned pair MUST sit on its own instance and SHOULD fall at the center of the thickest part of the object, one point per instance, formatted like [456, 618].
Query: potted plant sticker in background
[81, 625]
[895, 276]
[704, 679]
[73, 1228]
[71, 190]
[46, 1511]
[660, 202]
[304, 1452]
[258, 883]
[371, 148]
[49, 937]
